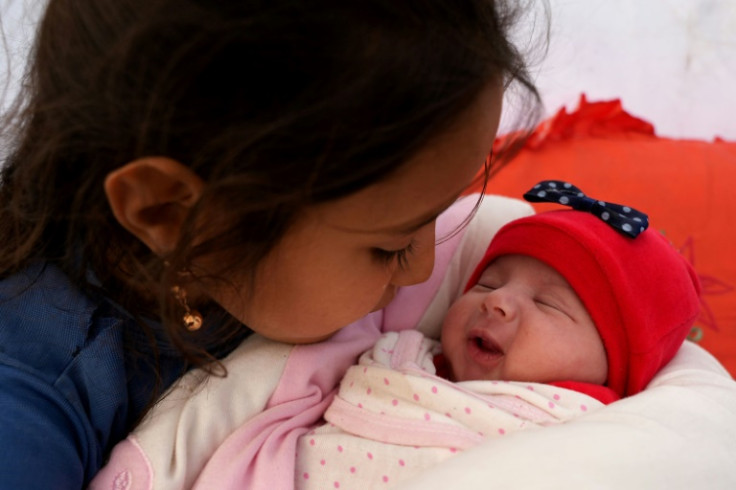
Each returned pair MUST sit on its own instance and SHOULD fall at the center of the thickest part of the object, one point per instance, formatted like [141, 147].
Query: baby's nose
[500, 303]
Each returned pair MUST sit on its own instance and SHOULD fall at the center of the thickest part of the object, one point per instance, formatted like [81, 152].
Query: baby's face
[522, 322]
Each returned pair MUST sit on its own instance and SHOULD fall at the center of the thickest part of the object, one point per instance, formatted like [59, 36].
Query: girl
[179, 168]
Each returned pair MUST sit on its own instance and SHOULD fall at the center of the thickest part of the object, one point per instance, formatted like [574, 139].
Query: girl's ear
[151, 198]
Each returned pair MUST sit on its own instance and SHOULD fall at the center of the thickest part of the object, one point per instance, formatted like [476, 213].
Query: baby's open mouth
[483, 351]
[487, 345]
[483, 344]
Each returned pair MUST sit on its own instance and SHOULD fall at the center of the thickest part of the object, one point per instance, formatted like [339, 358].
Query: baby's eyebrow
[561, 289]
[566, 295]
[489, 272]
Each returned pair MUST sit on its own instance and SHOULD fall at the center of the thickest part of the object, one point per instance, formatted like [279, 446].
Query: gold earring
[192, 319]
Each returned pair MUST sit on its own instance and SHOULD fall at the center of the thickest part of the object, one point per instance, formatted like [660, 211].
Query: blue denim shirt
[68, 390]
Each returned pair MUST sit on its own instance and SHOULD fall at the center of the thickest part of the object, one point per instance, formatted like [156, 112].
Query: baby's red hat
[641, 293]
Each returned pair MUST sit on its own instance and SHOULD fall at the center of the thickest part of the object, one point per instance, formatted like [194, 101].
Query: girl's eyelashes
[400, 256]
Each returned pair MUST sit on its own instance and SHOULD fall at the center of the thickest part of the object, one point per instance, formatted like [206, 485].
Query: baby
[562, 298]
[563, 314]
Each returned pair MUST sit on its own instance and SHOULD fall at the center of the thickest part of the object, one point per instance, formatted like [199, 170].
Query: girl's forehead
[404, 202]
[429, 182]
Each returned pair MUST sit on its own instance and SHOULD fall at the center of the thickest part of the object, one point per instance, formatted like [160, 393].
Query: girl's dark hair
[276, 104]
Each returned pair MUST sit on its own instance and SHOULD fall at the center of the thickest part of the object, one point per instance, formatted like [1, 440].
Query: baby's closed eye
[553, 304]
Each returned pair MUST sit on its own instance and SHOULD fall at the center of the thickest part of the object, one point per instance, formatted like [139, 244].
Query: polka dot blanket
[393, 417]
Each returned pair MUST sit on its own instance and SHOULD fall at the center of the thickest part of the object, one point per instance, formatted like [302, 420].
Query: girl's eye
[401, 256]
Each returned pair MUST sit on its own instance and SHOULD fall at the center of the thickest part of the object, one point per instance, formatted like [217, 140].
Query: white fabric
[679, 433]
[174, 437]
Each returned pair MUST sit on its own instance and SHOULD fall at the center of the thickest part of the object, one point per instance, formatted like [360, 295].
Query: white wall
[671, 62]
[17, 22]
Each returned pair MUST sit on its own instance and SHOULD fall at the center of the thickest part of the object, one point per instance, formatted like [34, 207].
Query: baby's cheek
[446, 333]
[451, 337]
[457, 318]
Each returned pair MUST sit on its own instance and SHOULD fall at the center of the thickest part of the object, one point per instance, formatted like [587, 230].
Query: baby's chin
[460, 372]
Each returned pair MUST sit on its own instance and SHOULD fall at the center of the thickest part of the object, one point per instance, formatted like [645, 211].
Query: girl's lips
[483, 349]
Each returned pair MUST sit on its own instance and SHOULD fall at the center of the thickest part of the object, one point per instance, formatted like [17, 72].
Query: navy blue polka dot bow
[623, 219]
